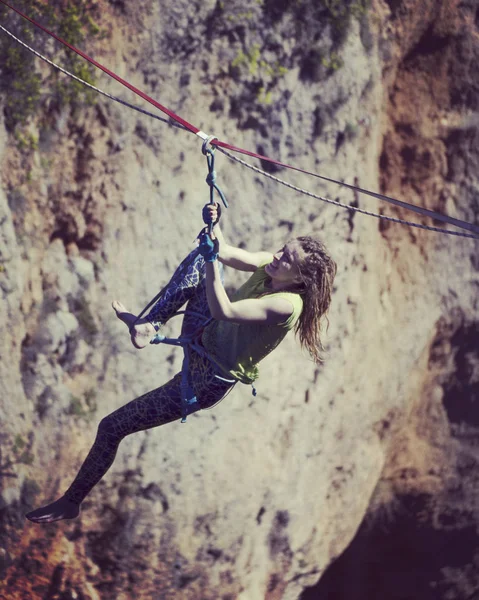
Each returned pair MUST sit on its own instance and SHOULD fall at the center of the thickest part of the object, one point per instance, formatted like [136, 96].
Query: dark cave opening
[405, 556]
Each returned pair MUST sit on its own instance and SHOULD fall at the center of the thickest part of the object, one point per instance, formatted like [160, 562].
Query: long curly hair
[317, 270]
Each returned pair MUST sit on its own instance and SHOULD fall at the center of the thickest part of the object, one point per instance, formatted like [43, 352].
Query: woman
[290, 289]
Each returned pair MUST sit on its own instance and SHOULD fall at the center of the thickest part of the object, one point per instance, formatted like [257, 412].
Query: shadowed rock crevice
[430, 45]
[461, 390]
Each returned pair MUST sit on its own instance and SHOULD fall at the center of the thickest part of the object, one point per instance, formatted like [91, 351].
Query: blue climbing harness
[188, 343]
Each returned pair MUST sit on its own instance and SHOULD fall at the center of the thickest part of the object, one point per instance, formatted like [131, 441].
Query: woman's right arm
[238, 258]
[234, 257]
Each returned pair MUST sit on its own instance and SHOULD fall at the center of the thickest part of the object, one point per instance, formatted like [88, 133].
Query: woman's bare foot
[141, 332]
[56, 511]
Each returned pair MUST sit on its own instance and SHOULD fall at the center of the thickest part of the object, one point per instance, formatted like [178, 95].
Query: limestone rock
[257, 498]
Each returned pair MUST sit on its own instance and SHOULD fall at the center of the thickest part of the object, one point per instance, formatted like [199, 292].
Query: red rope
[220, 144]
[171, 114]
[134, 89]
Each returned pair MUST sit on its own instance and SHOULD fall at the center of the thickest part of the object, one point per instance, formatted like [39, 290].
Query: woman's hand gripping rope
[211, 213]
[208, 245]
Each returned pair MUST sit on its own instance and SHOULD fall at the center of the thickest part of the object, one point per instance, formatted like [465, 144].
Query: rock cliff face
[259, 497]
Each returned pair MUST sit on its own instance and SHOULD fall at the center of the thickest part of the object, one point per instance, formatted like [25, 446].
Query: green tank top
[238, 348]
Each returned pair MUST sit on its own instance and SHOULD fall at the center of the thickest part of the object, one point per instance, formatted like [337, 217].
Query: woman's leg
[186, 285]
[154, 408]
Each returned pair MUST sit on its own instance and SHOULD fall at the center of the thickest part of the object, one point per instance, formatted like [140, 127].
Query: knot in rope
[205, 148]
[211, 178]
[209, 152]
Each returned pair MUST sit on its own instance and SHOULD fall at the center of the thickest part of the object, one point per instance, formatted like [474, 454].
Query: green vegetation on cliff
[268, 39]
[23, 87]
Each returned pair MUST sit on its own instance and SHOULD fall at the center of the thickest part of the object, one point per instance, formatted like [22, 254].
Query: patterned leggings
[163, 404]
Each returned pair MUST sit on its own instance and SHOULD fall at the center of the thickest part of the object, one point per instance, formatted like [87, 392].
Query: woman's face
[285, 267]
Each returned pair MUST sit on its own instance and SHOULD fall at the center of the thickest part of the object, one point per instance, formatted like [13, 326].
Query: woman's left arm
[267, 310]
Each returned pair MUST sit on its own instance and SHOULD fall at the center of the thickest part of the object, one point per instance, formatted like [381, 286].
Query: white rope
[348, 206]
